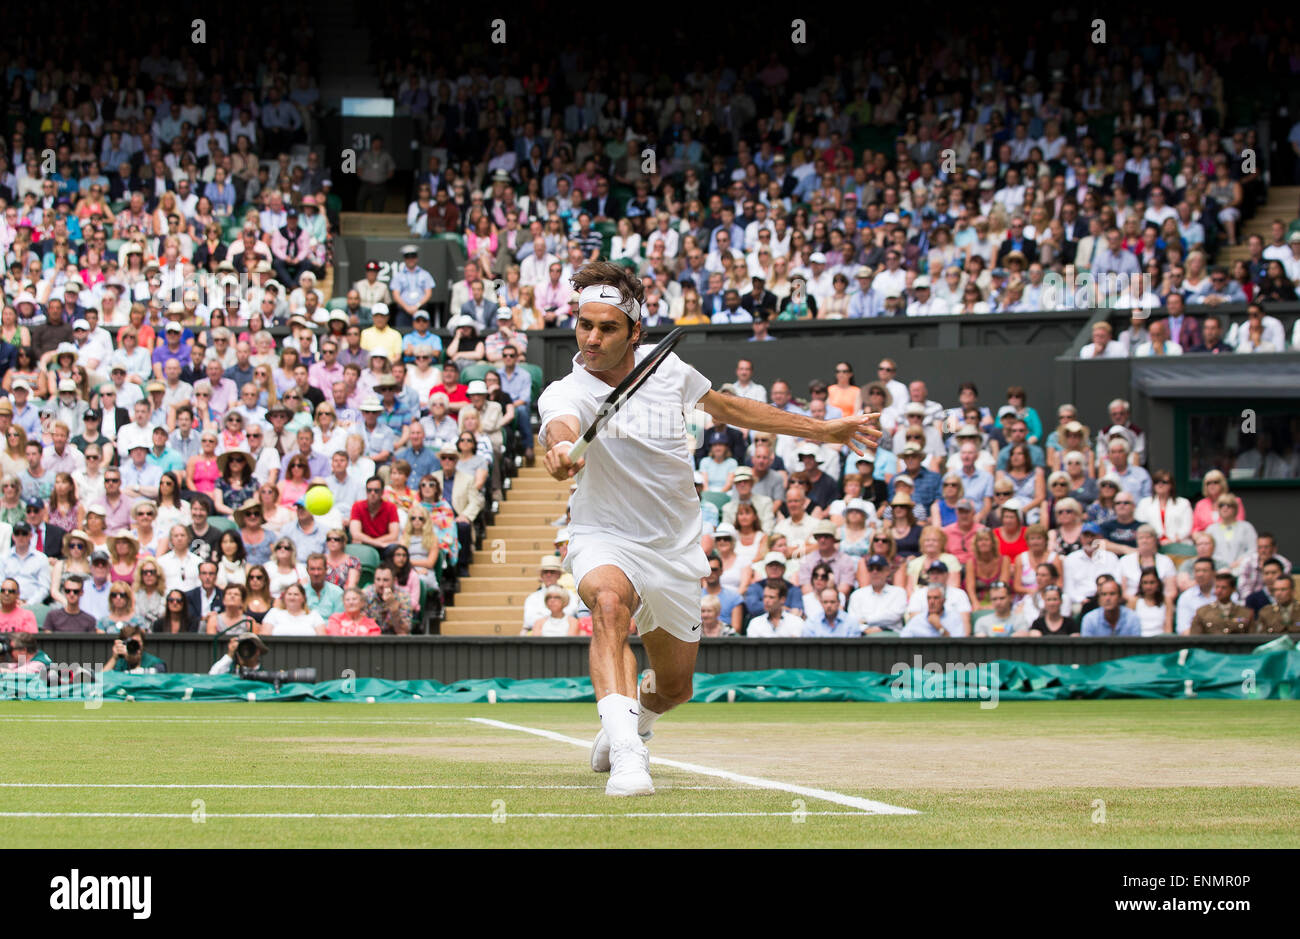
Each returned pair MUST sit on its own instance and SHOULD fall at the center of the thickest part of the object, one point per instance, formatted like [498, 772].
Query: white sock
[645, 721]
[618, 716]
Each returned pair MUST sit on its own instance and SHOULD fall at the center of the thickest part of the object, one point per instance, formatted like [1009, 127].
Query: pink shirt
[339, 625]
[556, 296]
[324, 376]
[21, 620]
[1206, 514]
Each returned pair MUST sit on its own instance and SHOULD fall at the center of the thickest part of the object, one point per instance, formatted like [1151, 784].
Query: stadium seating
[369, 559]
[718, 499]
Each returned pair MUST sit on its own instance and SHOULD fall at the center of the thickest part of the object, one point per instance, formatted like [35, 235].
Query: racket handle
[578, 449]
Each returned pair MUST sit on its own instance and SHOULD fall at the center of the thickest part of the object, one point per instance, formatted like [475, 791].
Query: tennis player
[634, 548]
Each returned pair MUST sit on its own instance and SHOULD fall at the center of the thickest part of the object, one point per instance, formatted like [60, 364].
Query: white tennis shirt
[638, 483]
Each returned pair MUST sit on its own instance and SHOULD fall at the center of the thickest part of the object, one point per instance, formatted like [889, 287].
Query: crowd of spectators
[971, 518]
[159, 441]
[1078, 176]
[158, 219]
[161, 479]
[177, 184]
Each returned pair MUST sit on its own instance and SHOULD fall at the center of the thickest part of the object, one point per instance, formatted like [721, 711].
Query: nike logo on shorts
[695, 627]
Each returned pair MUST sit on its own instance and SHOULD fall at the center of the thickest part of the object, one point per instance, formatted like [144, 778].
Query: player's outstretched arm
[860, 432]
[559, 435]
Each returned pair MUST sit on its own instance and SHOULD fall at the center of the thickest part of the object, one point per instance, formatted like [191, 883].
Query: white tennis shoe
[600, 750]
[600, 746]
[629, 773]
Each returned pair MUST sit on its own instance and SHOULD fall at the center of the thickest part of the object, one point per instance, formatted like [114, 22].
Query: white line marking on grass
[188, 816]
[40, 719]
[50, 785]
[867, 806]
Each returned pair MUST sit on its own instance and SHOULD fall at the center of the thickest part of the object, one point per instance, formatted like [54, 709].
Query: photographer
[244, 650]
[19, 655]
[129, 655]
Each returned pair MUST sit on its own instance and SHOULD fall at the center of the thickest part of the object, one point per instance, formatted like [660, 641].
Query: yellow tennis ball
[319, 500]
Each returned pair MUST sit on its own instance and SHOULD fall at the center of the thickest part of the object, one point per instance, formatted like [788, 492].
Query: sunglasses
[257, 577]
[333, 538]
[175, 600]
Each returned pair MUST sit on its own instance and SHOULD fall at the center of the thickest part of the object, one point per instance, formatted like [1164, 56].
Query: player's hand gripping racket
[625, 389]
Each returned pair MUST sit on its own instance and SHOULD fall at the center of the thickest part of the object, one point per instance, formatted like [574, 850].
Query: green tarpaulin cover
[1271, 672]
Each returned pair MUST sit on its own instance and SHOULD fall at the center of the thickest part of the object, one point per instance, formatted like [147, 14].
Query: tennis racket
[625, 389]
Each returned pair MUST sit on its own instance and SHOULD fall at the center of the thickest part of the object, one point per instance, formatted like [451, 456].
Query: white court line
[52, 785]
[38, 719]
[867, 806]
[189, 816]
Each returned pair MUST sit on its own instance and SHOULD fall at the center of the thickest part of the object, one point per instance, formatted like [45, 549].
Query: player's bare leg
[670, 679]
[611, 598]
[619, 748]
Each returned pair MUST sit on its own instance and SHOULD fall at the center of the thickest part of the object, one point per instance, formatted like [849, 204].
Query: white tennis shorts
[669, 587]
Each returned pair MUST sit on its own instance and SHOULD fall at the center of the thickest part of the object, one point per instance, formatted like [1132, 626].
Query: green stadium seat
[40, 610]
[1178, 547]
[450, 236]
[476, 372]
[369, 559]
[535, 371]
[222, 524]
[337, 303]
[718, 499]
[975, 617]
[115, 244]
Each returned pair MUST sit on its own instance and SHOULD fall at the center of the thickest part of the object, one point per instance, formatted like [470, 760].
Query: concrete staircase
[504, 571]
[376, 224]
[1282, 202]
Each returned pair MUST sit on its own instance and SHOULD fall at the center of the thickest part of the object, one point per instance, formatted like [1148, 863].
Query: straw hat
[889, 398]
[77, 535]
[225, 458]
[122, 535]
[252, 505]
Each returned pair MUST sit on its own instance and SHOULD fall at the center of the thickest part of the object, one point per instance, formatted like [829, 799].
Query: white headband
[604, 293]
